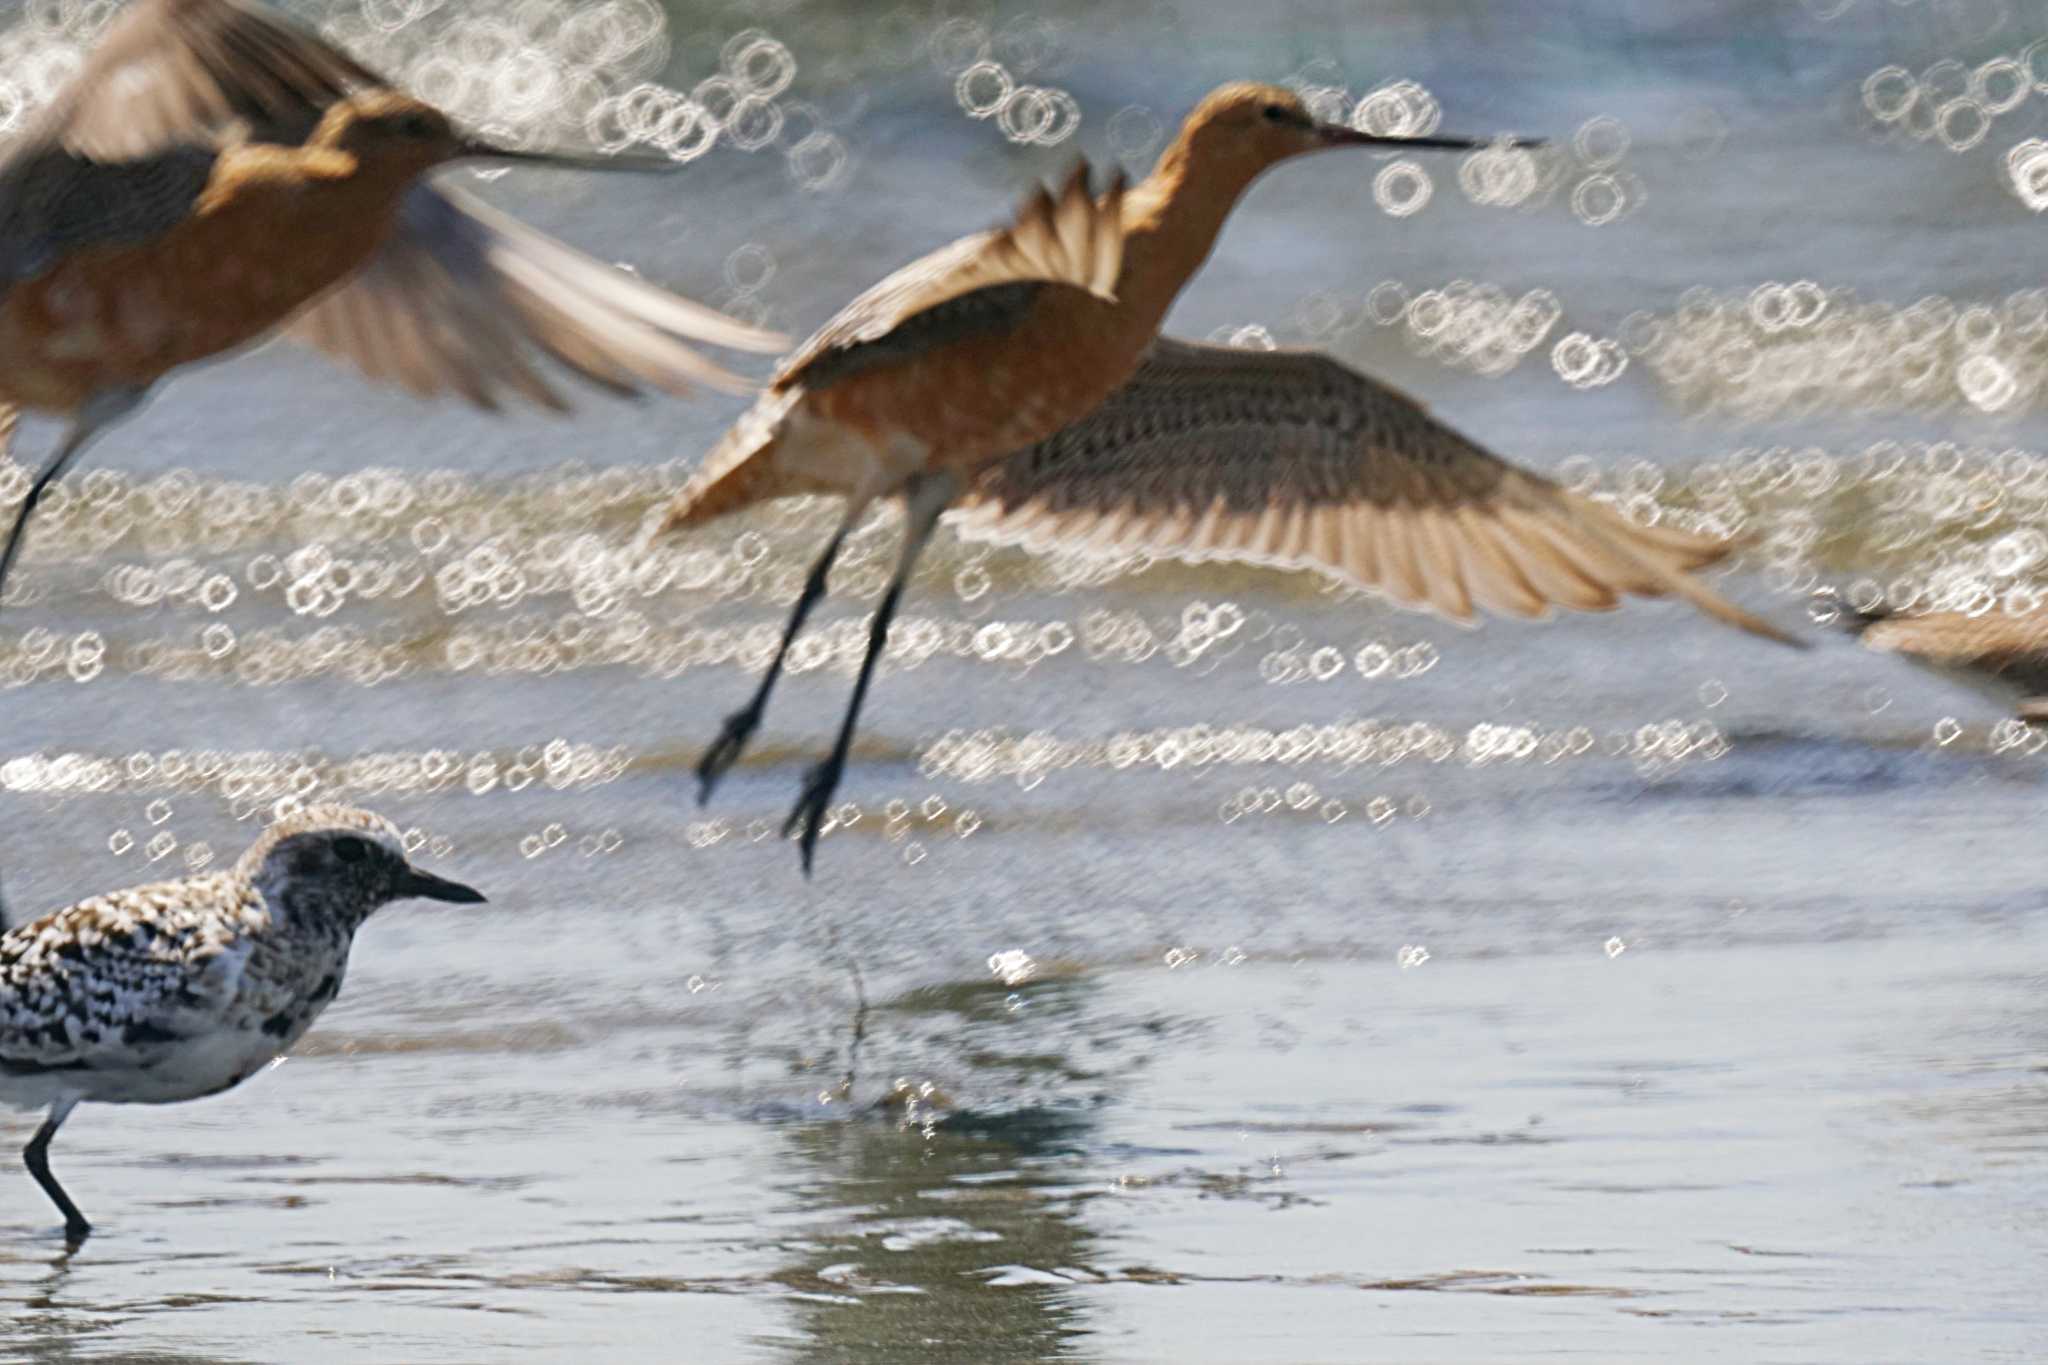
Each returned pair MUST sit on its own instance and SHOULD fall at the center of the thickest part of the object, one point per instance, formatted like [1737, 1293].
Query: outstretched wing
[104, 983]
[461, 298]
[979, 285]
[1290, 459]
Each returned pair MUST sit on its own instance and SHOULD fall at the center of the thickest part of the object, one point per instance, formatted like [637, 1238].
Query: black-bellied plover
[180, 989]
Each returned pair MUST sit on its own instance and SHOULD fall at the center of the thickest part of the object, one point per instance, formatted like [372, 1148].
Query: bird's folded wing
[462, 298]
[58, 203]
[1290, 459]
[104, 982]
[979, 285]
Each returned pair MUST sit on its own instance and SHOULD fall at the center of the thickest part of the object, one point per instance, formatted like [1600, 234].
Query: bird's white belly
[202, 1065]
[39, 1092]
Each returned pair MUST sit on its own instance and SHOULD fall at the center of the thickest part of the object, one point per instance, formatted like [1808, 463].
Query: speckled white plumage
[95, 998]
[180, 989]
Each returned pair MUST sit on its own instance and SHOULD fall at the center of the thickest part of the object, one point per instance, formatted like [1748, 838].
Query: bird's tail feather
[737, 472]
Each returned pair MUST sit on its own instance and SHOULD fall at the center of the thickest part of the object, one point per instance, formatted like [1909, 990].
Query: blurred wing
[461, 298]
[1955, 637]
[183, 72]
[1292, 460]
[979, 285]
[126, 148]
[2013, 649]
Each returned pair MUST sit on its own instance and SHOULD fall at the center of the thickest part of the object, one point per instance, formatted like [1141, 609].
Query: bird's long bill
[427, 886]
[568, 161]
[1342, 135]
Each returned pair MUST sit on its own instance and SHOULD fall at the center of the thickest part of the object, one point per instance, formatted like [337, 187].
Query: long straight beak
[1342, 135]
[427, 886]
[567, 161]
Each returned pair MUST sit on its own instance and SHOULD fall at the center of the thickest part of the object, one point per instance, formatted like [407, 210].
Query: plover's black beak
[1342, 135]
[427, 886]
[478, 150]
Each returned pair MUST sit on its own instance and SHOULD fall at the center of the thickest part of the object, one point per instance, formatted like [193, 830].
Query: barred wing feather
[1293, 460]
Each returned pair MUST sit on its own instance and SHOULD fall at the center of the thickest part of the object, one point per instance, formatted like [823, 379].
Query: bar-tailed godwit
[928, 386]
[215, 173]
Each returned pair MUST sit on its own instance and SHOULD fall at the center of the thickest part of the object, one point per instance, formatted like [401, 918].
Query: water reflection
[939, 1244]
[54, 1320]
[1980, 1076]
[952, 1206]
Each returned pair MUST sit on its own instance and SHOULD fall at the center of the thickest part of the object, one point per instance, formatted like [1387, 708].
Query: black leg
[860, 1028]
[28, 505]
[741, 724]
[928, 496]
[823, 778]
[98, 413]
[95, 416]
[37, 1157]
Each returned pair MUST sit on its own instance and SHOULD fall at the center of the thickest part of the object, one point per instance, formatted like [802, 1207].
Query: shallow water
[1206, 966]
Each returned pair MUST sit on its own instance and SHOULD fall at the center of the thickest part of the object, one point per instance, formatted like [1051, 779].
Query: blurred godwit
[981, 349]
[2003, 655]
[213, 171]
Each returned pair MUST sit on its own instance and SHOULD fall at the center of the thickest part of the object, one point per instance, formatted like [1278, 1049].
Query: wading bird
[980, 350]
[215, 173]
[183, 989]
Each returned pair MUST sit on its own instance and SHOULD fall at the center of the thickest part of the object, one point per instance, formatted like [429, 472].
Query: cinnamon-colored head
[1247, 126]
[391, 131]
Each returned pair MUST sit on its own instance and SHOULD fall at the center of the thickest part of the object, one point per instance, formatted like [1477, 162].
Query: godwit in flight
[1020, 370]
[215, 173]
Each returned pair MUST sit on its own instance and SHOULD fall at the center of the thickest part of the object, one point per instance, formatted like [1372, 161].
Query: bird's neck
[1171, 221]
[310, 913]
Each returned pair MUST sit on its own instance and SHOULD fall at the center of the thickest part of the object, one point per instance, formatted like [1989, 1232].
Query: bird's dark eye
[350, 849]
[416, 125]
[1276, 113]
